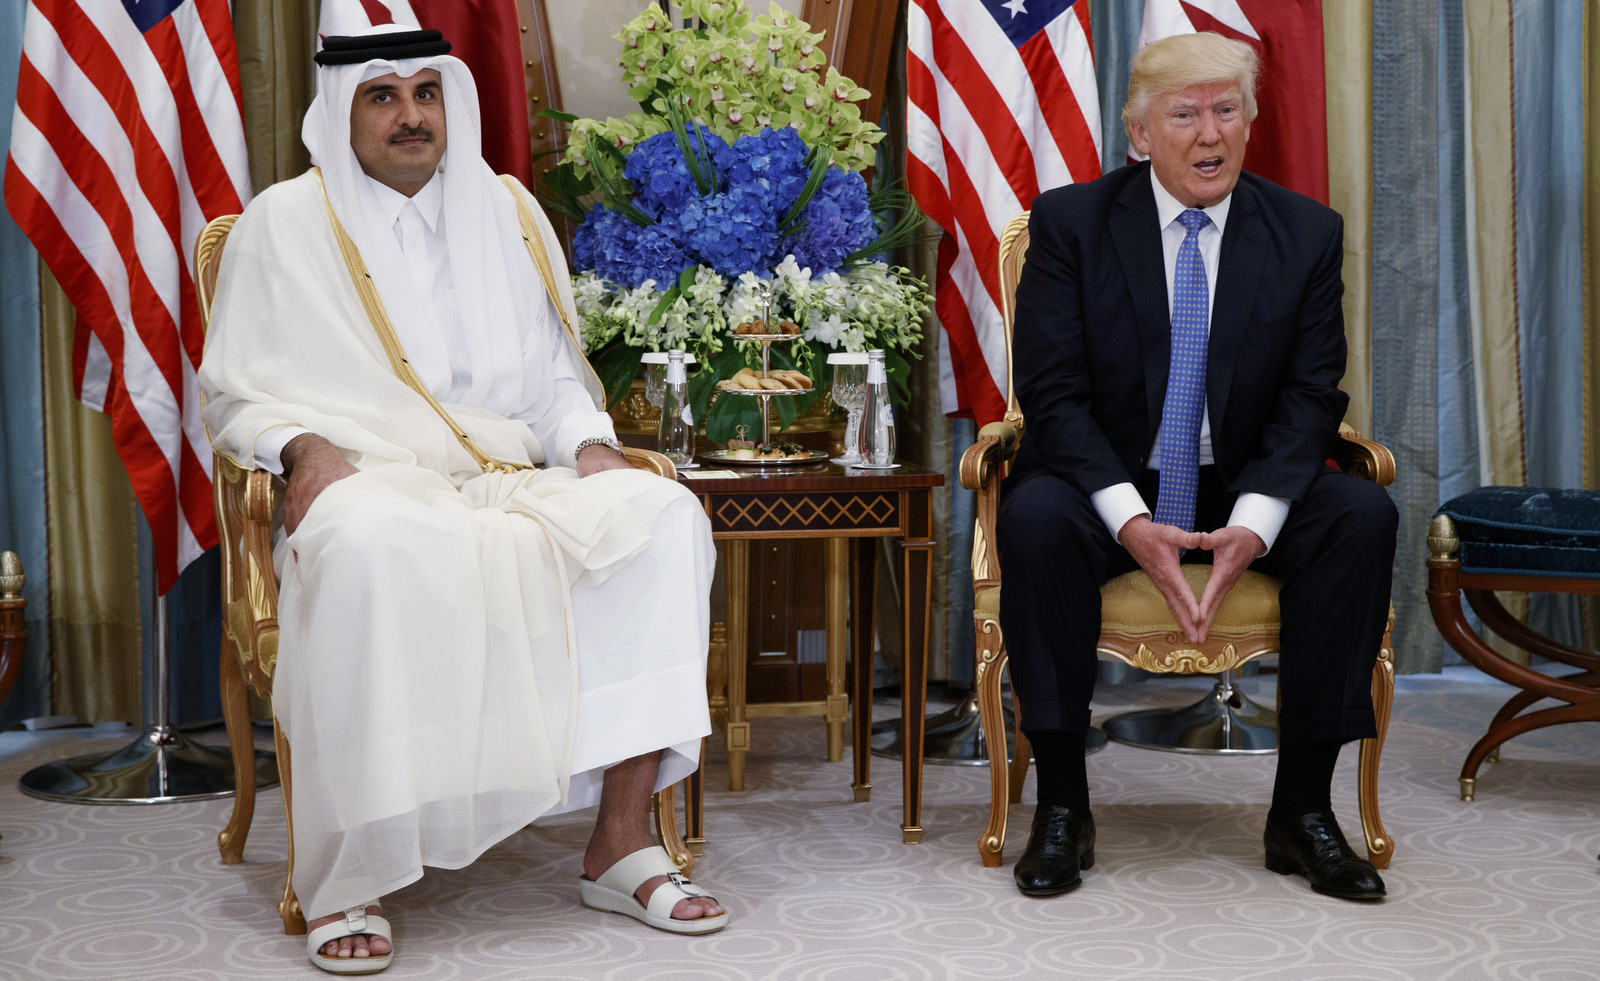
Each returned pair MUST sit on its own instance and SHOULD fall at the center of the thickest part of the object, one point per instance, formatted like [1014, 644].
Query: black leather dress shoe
[1312, 845]
[1062, 842]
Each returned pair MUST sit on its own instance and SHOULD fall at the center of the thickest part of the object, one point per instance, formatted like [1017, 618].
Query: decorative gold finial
[11, 578]
[1443, 542]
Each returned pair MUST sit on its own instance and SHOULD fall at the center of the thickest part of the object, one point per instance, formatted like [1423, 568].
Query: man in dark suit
[1178, 347]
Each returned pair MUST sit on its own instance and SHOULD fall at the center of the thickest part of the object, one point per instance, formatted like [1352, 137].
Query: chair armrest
[1363, 458]
[986, 460]
[650, 460]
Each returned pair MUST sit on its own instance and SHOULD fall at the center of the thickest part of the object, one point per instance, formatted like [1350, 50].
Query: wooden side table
[850, 508]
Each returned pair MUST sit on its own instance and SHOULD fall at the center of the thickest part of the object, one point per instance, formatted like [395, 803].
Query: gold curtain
[1347, 63]
[1492, 257]
[94, 550]
[276, 39]
[1492, 249]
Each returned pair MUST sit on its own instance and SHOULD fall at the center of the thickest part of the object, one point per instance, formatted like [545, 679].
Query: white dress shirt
[419, 227]
[1119, 503]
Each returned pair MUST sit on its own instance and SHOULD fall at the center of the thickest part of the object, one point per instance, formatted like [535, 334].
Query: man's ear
[1141, 136]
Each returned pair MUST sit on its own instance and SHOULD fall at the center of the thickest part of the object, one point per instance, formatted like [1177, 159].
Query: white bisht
[461, 651]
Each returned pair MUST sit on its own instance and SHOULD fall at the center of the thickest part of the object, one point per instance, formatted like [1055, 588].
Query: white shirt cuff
[1118, 504]
[269, 446]
[1261, 514]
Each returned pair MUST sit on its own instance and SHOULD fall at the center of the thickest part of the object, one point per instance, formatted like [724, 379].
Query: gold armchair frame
[246, 499]
[1156, 644]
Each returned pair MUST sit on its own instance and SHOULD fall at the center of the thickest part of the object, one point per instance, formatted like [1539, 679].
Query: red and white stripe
[988, 126]
[123, 145]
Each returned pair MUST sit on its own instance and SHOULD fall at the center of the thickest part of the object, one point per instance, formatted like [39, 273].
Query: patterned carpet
[1507, 887]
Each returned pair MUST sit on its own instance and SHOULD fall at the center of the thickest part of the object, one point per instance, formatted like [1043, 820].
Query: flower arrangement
[736, 194]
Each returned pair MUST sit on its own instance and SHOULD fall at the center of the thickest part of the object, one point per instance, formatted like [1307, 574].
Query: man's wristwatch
[605, 441]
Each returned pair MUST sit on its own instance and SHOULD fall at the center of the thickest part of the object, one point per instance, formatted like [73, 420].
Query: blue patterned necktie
[1186, 381]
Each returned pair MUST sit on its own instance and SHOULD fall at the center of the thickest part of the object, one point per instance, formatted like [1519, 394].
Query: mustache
[409, 132]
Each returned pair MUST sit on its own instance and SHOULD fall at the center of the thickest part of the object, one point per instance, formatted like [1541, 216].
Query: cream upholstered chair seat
[1136, 627]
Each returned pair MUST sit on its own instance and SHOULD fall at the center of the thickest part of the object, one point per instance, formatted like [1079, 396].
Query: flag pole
[161, 766]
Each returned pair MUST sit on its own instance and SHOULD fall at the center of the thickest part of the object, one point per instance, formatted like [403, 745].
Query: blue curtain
[22, 503]
[1547, 47]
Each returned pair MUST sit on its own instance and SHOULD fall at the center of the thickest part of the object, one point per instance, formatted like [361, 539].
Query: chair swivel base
[955, 737]
[1225, 722]
[162, 766]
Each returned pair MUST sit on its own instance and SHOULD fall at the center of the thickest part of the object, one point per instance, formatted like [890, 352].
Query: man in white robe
[467, 643]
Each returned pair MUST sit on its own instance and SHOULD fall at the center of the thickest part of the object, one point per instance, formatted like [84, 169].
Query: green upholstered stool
[1517, 539]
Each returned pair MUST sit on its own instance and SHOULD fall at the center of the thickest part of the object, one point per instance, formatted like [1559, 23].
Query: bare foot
[359, 945]
[601, 855]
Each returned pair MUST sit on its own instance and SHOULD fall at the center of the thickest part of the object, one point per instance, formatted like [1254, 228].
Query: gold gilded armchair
[1136, 627]
[246, 499]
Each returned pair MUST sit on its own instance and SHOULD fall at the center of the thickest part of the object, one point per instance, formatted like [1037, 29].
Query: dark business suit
[1091, 352]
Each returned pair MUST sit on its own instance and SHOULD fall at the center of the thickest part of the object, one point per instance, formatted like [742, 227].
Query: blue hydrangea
[733, 232]
[659, 176]
[600, 227]
[838, 222]
[774, 159]
[628, 254]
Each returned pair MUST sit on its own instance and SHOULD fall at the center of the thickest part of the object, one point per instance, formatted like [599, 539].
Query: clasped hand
[314, 463]
[1156, 548]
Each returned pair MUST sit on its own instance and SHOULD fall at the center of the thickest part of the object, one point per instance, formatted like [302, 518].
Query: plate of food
[777, 381]
[776, 453]
[777, 330]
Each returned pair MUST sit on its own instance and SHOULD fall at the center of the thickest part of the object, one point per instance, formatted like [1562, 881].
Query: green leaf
[687, 277]
[784, 408]
[667, 299]
[617, 364]
[704, 382]
[730, 412]
[565, 117]
[902, 231]
[819, 166]
[899, 372]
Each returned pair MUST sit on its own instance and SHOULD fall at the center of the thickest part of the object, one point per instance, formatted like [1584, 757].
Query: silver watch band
[605, 441]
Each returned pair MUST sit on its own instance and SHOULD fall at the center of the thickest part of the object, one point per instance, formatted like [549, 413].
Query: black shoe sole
[1282, 866]
[1084, 864]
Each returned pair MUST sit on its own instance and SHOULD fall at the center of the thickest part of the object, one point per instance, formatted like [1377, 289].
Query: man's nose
[410, 113]
[1209, 131]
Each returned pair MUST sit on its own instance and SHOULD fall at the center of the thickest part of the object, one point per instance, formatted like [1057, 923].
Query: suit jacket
[1092, 336]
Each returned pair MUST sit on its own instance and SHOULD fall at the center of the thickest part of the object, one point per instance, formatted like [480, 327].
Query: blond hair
[1175, 63]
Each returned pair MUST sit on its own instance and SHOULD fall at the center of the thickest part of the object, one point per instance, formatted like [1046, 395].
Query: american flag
[1002, 104]
[128, 136]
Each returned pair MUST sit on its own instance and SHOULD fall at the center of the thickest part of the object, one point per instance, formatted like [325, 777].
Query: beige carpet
[822, 889]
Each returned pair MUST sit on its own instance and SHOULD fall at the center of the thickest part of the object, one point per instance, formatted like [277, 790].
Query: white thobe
[459, 654]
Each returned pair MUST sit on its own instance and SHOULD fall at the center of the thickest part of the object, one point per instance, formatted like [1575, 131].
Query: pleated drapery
[1347, 68]
[22, 493]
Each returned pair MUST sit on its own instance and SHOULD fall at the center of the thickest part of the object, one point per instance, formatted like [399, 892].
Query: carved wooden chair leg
[1380, 845]
[694, 807]
[666, 813]
[294, 919]
[236, 715]
[1022, 755]
[991, 716]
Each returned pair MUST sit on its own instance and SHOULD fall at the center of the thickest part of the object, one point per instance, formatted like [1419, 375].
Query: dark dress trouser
[1334, 556]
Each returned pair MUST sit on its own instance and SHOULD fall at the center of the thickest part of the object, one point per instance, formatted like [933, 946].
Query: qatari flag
[1289, 139]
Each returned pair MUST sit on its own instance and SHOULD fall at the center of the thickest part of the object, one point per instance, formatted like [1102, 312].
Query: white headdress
[504, 309]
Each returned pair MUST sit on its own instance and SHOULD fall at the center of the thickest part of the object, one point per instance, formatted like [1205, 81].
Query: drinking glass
[850, 394]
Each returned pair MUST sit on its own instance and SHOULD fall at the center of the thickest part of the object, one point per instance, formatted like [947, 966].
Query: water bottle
[877, 417]
[676, 436]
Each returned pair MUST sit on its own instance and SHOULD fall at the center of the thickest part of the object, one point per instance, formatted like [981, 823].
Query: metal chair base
[1225, 722]
[955, 737]
[162, 766]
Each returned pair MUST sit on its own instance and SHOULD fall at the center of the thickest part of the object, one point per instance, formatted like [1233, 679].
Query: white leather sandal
[613, 893]
[356, 921]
